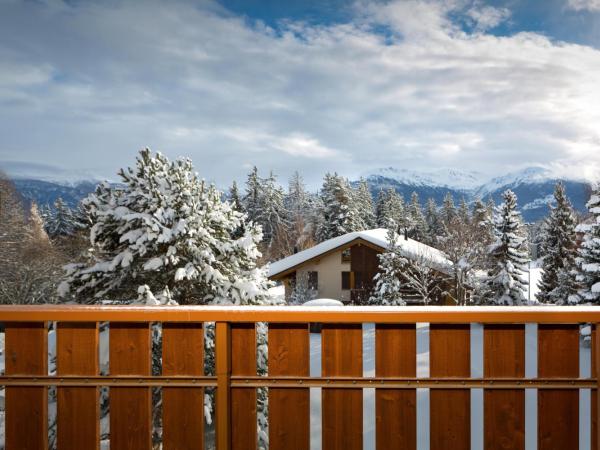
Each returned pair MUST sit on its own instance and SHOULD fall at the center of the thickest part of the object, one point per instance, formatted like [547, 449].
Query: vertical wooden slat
[78, 416]
[289, 427]
[130, 347]
[395, 409]
[183, 408]
[342, 409]
[450, 356]
[595, 341]
[504, 410]
[243, 400]
[26, 409]
[558, 410]
[223, 372]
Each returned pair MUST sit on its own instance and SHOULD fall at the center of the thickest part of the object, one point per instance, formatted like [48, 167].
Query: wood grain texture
[223, 372]
[130, 408]
[243, 400]
[183, 408]
[395, 409]
[450, 356]
[289, 428]
[26, 408]
[342, 411]
[78, 416]
[504, 410]
[558, 411]
[595, 360]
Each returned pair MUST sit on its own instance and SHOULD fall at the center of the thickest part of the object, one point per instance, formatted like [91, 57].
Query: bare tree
[30, 266]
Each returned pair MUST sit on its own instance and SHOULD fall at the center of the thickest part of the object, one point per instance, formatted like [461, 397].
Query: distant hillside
[46, 192]
[534, 187]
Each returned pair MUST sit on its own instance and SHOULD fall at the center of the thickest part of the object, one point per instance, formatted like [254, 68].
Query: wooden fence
[395, 382]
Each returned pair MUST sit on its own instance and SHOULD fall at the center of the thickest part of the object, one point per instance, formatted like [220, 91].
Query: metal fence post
[223, 372]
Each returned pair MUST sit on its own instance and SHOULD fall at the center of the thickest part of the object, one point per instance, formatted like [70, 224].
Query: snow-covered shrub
[302, 290]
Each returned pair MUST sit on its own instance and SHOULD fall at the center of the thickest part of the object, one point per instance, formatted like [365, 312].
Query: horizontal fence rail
[184, 382]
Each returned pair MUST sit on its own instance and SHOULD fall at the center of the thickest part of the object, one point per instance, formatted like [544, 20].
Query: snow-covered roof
[408, 247]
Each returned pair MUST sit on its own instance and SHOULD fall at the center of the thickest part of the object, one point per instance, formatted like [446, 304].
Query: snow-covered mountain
[44, 183]
[533, 185]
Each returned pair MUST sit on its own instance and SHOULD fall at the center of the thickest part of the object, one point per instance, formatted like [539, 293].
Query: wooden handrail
[348, 314]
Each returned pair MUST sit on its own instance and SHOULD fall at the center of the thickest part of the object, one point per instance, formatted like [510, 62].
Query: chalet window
[313, 280]
[346, 281]
[346, 255]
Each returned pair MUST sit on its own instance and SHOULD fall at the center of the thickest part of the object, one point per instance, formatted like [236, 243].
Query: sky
[307, 85]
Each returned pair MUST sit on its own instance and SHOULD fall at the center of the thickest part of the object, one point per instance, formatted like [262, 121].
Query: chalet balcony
[385, 378]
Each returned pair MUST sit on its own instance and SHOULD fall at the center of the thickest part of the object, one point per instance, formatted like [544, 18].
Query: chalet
[343, 268]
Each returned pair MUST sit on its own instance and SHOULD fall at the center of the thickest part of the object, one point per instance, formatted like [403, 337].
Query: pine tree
[252, 200]
[62, 222]
[482, 227]
[435, 227]
[418, 224]
[297, 201]
[448, 212]
[388, 280]
[463, 212]
[234, 198]
[166, 235]
[559, 249]
[391, 207]
[364, 203]
[340, 215]
[589, 254]
[272, 218]
[380, 208]
[505, 283]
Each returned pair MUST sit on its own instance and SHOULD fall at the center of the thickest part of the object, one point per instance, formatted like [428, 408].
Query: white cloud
[197, 81]
[584, 5]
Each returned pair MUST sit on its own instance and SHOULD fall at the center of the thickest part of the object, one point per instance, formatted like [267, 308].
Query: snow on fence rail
[183, 381]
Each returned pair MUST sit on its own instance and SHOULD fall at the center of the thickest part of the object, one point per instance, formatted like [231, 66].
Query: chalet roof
[409, 248]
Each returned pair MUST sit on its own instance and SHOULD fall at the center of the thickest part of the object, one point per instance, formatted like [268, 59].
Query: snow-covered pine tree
[435, 227]
[448, 212]
[273, 217]
[559, 250]
[589, 253]
[388, 281]
[252, 200]
[505, 283]
[418, 224]
[62, 222]
[364, 204]
[380, 208]
[340, 215]
[463, 212]
[391, 207]
[164, 234]
[483, 229]
[234, 198]
[297, 199]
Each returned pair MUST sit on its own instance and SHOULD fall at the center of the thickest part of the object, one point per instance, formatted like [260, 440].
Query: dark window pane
[345, 280]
